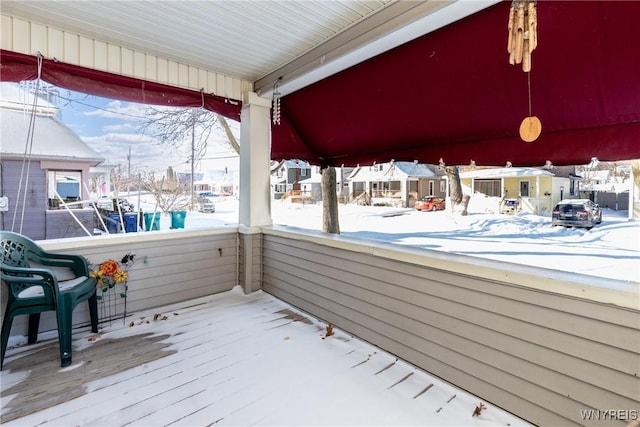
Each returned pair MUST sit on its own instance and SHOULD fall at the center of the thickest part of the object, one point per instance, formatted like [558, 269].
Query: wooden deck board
[228, 359]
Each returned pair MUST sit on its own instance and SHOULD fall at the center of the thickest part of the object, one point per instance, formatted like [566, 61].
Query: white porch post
[255, 192]
[255, 153]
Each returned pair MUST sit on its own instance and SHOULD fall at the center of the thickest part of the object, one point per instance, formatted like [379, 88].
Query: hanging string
[529, 91]
[26, 160]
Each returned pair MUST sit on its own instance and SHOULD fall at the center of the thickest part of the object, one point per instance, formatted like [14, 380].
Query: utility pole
[129, 172]
[193, 154]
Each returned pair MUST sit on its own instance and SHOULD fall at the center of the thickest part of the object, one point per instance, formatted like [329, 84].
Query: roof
[393, 171]
[290, 164]
[52, 139]
[359, 83]
[505, 173]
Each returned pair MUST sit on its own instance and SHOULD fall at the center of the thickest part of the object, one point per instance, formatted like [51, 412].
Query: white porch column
[255, 192]
[255, 153]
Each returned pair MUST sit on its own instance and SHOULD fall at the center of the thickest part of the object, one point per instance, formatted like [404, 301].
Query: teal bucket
[177, 218]
[152, 221]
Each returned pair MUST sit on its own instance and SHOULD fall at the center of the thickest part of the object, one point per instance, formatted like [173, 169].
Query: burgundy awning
[15, 67]
[452, 94]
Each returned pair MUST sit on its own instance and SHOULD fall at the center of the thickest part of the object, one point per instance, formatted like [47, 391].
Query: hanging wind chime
[522, 41]
[275, 111]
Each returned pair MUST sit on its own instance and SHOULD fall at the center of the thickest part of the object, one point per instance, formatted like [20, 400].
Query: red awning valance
[17, 67]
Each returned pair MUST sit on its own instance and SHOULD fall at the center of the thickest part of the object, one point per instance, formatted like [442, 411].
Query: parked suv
[576, 213]
[206, 205]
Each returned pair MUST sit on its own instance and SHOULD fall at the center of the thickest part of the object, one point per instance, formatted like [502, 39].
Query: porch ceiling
[366, 81]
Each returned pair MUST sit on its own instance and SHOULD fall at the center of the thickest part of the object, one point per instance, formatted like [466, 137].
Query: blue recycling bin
[130, 222]
[177, 218]
[152, 221]
[113, 223]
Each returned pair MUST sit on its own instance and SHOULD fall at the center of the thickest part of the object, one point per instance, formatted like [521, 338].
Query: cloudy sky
[112, 127]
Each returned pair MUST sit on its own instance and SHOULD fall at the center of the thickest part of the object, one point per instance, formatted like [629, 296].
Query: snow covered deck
[228, 359]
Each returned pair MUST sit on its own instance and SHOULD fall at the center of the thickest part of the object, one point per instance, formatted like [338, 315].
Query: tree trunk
[330, 223]
[459, 201]
[235, 146]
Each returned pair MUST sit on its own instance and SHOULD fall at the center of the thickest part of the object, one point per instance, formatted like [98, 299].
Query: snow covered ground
[609, 250]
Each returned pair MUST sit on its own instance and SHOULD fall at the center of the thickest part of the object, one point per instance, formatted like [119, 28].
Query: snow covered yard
[609, 250]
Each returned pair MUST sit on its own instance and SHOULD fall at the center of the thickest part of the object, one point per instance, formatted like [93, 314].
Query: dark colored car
[576, 213]
[430, 203]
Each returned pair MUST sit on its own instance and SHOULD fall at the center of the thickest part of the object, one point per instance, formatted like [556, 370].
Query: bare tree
[330, 222]
[176, 126]
[459, 200]
[169, 194]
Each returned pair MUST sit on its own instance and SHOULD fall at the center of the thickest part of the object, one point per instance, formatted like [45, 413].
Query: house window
[280, 188]
[488, 187]
[524, 188]
[65, 185]
[431, 187]
[303, 172]
[443, 186]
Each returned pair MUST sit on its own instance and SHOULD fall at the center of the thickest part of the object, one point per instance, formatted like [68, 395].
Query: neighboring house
[45, 172]
[610, 188]
[537, 189]
[220, 181]
[287, 175]
[313, 185]
[398, 183]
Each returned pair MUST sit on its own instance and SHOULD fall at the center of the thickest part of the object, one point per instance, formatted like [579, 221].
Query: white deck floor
[228, 359]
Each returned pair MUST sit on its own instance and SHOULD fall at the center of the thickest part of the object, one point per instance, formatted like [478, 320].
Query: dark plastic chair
[34, 288]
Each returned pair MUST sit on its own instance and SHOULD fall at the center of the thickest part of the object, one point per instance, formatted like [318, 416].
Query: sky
[112, 127]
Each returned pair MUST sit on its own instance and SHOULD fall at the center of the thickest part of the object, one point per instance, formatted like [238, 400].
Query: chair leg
[34, 325]
[93, 312]
[65, 320]
[6, 330]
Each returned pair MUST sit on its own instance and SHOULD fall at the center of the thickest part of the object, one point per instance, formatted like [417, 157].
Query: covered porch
[542, 345]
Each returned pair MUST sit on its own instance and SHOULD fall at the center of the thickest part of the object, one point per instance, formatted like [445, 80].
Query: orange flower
[120, 276]
[109, 267]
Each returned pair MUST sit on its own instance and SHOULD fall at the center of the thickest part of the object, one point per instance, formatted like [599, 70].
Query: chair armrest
[77, 263]
[21, 278]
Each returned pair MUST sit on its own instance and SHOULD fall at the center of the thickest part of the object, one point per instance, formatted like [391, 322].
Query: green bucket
[177, 218]
[152, 221]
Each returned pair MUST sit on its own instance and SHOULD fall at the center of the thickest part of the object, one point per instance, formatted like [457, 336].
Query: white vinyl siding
[538, 354]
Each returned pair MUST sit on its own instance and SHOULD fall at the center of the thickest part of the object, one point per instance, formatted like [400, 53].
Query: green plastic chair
[34, 288]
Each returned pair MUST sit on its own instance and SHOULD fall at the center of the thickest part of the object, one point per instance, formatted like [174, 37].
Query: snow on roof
[14, 97]
[505, 173]
[291, 164]
[393, 171]
[52, 139]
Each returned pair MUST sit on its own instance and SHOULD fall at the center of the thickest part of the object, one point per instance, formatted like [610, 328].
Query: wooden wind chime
[522, 41]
